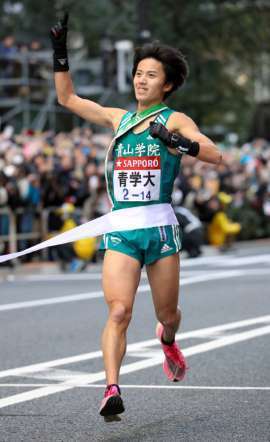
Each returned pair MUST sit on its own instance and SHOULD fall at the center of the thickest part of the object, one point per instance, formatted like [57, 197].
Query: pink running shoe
[112, 403]
[174, 365]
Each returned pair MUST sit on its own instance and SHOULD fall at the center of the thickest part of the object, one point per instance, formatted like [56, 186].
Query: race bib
[137, 179]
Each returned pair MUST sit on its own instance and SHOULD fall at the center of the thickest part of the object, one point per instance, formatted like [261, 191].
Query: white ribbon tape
[140, 217]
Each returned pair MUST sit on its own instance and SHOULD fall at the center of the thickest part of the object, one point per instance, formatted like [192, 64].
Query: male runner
[146, 158]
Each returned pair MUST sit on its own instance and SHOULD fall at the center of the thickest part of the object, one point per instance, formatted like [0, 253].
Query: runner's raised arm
[87, 109]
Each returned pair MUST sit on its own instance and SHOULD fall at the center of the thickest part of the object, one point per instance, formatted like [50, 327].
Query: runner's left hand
[173, 139]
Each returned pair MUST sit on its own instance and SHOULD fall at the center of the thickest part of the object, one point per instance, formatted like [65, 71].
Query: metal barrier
[30, 94]
[39, 233]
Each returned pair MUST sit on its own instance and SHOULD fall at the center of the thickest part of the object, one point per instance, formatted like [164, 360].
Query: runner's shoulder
[178, 120]
[116, 114]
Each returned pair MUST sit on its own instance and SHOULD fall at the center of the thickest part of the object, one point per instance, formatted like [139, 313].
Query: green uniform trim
[130, 120]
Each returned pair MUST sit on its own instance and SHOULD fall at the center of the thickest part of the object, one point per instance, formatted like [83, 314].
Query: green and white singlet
[143, 168]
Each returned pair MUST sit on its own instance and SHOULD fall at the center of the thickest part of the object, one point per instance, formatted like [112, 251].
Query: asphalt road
[52, 378]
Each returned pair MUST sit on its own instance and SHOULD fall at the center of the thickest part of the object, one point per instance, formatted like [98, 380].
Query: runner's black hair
[172, 59]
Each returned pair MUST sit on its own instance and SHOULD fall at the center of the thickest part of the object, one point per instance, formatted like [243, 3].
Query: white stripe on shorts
[162, 234]
[105, 239]
[176, 237]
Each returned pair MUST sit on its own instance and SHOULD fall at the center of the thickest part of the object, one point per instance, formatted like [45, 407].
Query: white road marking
[227, 340]
[208, 260]
[224, 275]
[49, 301]
[25, 385]
[193, 387]
[149, 387]
[142, 288]
[144, 353]
[54, 277]
[54, 374]
[226, 260]
[245, 260]
[135, 366]
[34, 368]
[176, 387]
[29, 395]
[61, 277]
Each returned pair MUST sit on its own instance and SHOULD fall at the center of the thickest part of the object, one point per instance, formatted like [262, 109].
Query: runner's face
[150, 82]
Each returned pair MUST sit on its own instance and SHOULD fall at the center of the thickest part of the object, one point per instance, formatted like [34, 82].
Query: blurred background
[52, 162]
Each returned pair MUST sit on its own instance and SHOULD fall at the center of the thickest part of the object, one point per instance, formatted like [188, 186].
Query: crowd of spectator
[45, 170]
[244, 176]
[9, 46]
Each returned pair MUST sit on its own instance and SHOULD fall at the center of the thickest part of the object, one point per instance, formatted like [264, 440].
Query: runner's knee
[119, 313]
[168, 317]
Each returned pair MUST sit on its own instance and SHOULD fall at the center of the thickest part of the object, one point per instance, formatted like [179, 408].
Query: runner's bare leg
[163, 278]
[121, 277]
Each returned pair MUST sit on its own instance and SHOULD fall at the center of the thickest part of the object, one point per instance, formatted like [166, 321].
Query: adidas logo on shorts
[165, 248]
[115, 240]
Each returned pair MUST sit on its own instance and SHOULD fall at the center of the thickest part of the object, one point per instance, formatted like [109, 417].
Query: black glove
[174, 140]
[58, 36]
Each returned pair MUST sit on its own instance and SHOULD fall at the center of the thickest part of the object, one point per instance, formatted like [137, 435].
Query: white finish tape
[140, 217]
